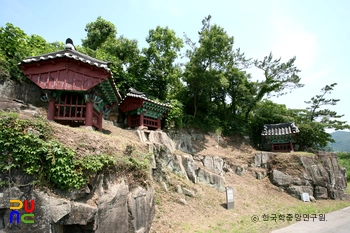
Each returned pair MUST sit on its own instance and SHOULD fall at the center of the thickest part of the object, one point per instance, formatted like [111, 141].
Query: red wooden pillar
[141, 119]
[272, 147]
[51, 110]
[291, 146]
[129, 120]
[99, 121]
[159, 126]
[89, 113]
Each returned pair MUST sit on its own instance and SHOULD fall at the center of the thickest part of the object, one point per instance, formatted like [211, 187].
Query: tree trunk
[195, 105]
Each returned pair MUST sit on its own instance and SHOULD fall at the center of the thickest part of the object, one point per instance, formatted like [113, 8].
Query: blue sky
[316, 32]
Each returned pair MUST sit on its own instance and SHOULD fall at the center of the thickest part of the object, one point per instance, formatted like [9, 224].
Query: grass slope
[206, 212]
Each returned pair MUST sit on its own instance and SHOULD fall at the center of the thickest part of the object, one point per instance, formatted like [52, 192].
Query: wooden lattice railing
[282, 147]
[147, 121]
[70, 107]
[150, 122]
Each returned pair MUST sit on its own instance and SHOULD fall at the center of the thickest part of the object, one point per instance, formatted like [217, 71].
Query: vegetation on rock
[344, 160]
[28, 145]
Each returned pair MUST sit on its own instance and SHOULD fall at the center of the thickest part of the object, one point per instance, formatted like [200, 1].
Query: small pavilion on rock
[78, 88]
[281, 136]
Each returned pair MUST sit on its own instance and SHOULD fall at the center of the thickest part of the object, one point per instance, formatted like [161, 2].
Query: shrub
[344, 160]
[28, 145]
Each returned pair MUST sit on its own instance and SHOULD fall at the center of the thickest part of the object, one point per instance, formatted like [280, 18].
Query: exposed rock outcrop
[190, 167]
[183, 141]
[318, 174]
[280, 179]
[112, 207]
[27, 92]
[215, 164]
[296, 191]
[211, 179]
[205, 169]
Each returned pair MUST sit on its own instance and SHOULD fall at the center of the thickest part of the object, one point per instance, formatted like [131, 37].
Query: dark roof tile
[143, 96]
[69, 54]
[279, 129]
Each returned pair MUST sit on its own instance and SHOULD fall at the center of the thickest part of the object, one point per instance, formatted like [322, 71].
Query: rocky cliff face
[317, 174]
[27, 92]
[110, 206]
[168, 157]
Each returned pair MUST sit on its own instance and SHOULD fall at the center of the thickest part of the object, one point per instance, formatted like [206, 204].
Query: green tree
[205, 71]
[98, 32]
[267, 112]
[4, 68]
[240, 91]
[325, 116]
[127, 64]
[219, 91]
[16, 45]
[175, 116]
[313, 121]
[163, 75]
[13, 48]
[278, 79]
[313, 135]
[133, 65]
[38, 45]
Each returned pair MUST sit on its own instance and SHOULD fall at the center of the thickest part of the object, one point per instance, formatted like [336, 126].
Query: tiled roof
[69, 53]
[143, 96]
[107, 90]
[279, 129]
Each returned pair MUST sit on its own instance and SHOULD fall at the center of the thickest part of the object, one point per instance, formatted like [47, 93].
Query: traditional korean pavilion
[78, 88]
[280, 136]
[141, 111]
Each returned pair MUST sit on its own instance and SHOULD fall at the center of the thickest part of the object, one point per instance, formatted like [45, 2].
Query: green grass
[344, 160]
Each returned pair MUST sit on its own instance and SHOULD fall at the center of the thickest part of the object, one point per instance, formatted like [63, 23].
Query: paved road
[336, 222]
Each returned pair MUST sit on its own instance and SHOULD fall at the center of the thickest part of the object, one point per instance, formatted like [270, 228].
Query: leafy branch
[325, 116]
